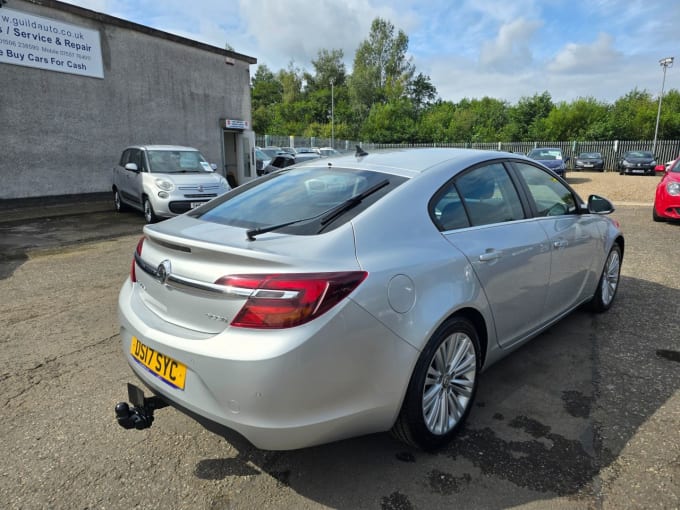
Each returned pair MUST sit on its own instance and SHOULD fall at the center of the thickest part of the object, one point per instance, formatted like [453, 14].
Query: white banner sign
[34, 41]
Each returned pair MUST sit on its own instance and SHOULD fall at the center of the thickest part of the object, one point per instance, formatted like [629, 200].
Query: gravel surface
[620, 189]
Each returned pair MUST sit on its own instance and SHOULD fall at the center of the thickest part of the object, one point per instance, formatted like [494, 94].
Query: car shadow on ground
[19, 238]
[547, 420]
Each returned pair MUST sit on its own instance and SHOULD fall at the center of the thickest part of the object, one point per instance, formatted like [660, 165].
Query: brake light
[288, 300]
[133, 274]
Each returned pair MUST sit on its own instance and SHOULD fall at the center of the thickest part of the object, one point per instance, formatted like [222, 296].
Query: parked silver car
[164, 180]
[363, 294]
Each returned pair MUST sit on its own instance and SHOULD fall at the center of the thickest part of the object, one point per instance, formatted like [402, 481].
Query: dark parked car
[589, 161]
[279, 162]
[637, 162]
[552, 158]
[305, 154]
[261, 160]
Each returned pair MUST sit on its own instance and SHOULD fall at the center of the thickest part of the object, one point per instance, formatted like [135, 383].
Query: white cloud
[469, 48]
[510, 50]
[598, 57]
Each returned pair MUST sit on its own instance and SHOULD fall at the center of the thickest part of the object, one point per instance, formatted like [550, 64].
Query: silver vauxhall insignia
[358, 294]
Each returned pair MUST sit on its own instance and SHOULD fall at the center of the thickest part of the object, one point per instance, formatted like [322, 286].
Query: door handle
[560, 244]
[490, 255]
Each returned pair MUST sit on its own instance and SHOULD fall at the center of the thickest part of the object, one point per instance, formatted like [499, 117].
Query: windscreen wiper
[327, 216]
[351, 202]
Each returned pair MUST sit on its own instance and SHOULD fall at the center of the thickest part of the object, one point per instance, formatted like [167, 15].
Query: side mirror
[660, 168]
[132, 167]
[599, 205]
[567, 159]
[213, 166]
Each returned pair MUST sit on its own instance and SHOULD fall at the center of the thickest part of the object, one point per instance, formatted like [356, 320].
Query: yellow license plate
[171, 371]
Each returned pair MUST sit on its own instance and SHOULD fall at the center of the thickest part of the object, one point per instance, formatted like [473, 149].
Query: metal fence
[612, 151]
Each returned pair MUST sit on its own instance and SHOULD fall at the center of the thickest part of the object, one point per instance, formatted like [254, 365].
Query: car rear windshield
[305, 196]
[590, 155]
[177, 161]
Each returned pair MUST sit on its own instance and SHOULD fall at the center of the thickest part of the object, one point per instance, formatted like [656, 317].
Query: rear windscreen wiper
[351, 202]
[327, 216]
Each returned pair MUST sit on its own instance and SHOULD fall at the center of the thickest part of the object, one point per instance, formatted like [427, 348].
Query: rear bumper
[339, 376]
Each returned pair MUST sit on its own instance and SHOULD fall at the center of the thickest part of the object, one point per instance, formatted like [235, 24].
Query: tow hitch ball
[139, 413]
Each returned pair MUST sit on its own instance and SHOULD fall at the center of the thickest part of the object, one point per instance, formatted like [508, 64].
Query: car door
[573, 237]
[481, 214]
[133, 187]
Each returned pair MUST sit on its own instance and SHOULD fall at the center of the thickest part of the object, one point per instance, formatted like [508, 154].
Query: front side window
[135, 156]
[489, 195]
[550, 196]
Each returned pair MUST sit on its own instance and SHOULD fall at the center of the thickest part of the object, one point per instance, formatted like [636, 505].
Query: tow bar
[138, 415]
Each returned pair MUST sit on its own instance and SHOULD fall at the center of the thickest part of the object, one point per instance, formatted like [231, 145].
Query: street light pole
[332, 114]
[665, 63]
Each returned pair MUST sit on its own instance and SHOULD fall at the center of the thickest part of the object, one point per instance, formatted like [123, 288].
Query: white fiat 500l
[164, 180]
[365, 294]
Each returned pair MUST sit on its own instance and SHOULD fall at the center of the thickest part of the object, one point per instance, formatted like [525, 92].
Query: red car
[667, 198]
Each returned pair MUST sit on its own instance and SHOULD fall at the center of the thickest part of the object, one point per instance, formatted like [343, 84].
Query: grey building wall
[62, 134]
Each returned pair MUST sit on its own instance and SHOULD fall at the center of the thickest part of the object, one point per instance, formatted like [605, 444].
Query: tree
[379, 62]
[582, 119]
[266, 90]
[328, 67]
[525, 117]
[434, 123]
[421, 92]
[633, 117]
[390, 122]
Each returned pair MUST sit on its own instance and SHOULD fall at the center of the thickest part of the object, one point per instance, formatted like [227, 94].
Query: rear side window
[302, 195]
[481, 196]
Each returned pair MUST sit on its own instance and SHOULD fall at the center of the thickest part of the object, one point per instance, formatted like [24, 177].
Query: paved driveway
[585, 416]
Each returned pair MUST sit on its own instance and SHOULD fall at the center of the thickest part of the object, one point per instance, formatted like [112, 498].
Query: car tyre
[442, 387]
[149, 214]
[118, 202]
[609, 282]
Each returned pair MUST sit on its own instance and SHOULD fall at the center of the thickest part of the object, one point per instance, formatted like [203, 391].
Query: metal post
[665, 63]
[332, 114]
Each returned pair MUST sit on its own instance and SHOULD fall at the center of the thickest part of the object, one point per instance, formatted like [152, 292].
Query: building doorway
[238, 155]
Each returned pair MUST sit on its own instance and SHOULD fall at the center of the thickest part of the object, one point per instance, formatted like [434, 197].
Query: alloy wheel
[449, 383]
[611, 277]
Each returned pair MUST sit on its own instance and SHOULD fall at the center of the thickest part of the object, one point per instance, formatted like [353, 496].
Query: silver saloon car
[368, 293]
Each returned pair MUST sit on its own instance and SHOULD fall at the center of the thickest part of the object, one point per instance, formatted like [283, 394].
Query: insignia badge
[163, 271]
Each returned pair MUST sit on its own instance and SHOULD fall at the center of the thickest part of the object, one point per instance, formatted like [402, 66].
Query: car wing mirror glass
[599, 205]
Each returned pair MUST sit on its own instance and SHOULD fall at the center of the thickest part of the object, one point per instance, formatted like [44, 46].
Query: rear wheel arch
[477, 319]
[442, 387]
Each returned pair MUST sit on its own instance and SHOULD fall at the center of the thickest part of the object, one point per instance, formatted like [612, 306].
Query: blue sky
[505, 49]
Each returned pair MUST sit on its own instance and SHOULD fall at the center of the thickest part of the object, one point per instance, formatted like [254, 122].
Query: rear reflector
[287, 300]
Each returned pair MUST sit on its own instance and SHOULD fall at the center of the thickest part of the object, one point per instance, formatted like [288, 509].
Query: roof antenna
[360, 152]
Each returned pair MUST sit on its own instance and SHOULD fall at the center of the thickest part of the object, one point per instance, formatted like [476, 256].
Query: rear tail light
[138, 250]
[288, 300]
